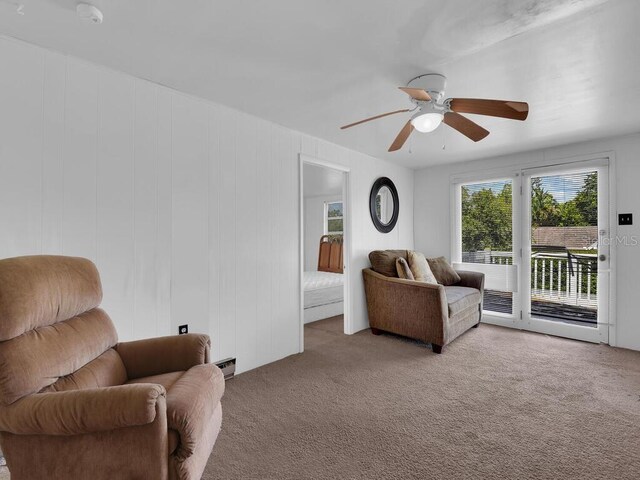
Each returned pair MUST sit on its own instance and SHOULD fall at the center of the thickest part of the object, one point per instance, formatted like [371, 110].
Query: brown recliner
[76, 404]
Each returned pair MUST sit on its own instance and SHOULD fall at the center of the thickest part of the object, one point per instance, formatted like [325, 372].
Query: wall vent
[228, 367]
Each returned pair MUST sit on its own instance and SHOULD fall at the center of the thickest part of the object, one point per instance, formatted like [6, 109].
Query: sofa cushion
[444, 273]
[461, 298]
[420, 268]
[384, 261]
[402, 267]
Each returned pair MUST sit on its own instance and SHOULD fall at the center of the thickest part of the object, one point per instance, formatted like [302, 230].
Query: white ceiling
[321, 181]
[316, 65]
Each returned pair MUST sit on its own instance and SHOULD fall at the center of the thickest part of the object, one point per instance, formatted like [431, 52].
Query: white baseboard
[313, 314]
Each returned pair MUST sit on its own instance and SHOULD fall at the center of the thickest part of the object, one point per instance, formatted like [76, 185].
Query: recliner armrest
[192, 401]
[78, 412]
[154, 356]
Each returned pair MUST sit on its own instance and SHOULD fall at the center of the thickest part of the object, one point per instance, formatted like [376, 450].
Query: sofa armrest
[78, 412]
[471, 279]
[154, 356]
[406, 307]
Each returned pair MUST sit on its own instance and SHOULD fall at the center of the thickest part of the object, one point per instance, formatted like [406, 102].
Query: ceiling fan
[427, 93]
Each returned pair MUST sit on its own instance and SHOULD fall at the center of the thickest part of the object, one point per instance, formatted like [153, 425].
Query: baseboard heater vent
[228, 367]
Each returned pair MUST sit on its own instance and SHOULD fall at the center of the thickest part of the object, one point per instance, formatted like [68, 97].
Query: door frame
[600, 334]
[514, 171]
[346, 239]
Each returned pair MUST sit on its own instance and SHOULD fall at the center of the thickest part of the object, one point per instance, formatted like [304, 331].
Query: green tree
[544, 208]
[486, 219]
[586, 200]
[486, 214]
[569, 215]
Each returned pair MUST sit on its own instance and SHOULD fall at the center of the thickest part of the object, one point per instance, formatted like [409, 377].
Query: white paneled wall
[189, 209]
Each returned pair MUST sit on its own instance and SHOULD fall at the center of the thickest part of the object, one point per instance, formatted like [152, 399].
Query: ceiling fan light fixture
[427, 122]
[431, 109]
[89, 13]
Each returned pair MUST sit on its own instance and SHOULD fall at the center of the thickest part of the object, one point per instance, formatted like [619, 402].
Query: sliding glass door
[541, 237]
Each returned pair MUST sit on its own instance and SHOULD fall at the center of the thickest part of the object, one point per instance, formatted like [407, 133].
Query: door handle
[602, 258]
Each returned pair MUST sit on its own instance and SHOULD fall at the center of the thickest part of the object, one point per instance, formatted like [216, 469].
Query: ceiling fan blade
[465, 126]
[493, 108]
[519, 106]
[416, 93]
[402, 137]
[373, 118]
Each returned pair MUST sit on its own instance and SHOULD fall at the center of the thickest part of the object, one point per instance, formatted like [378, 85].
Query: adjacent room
[323, 224]
[361, 240]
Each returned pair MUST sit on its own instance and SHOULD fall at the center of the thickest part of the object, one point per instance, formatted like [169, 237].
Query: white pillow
[420, 268]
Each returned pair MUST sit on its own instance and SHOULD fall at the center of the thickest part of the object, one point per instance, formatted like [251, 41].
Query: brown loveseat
[432, 313]
[76, 404]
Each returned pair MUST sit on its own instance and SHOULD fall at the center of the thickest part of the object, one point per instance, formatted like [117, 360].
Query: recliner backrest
[52, 333]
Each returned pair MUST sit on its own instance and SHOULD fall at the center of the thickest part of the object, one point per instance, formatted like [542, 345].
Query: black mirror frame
[377, 185]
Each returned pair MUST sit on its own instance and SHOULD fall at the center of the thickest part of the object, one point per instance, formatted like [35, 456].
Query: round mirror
[383, 204]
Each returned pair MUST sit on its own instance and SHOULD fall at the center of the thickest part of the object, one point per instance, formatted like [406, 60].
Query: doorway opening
[324, 246]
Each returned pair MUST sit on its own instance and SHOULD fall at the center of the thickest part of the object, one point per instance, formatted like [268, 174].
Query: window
[486, 222]
[486, 238]
[333, 218]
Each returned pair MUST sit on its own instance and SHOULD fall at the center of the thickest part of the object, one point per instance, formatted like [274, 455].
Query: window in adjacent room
[333, 218]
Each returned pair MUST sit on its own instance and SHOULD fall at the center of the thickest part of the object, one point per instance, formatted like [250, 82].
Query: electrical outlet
[625, 219]
[182, 329]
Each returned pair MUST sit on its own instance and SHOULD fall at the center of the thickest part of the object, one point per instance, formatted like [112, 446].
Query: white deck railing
[552, 279]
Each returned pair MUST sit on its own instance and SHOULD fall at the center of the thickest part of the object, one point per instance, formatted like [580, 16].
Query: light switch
[625, 219]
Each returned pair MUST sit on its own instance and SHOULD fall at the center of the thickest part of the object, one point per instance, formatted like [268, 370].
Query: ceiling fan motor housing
[433, 83]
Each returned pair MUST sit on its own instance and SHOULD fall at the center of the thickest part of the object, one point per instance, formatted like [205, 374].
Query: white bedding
[323, 288]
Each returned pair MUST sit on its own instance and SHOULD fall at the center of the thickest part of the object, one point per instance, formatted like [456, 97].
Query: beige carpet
[498, 403]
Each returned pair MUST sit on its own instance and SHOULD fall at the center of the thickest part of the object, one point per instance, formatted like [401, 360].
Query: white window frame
[498, 318]
[326, 217]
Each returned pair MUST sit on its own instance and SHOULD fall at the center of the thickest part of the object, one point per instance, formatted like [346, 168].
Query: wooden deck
[503, 302]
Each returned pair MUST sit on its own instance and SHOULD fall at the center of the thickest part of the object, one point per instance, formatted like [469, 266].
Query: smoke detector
[89, 13]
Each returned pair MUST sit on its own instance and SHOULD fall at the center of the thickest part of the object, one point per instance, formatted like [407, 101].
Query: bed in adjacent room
[324, 288]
